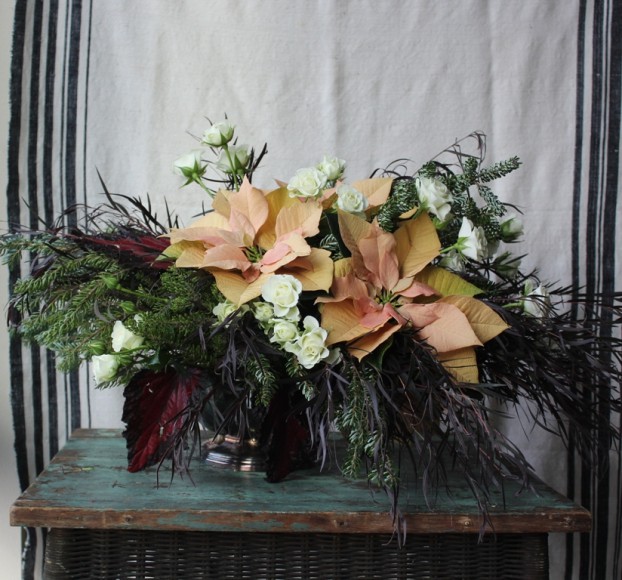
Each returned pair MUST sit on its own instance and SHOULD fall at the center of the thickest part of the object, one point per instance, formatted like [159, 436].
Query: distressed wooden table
[108, 523]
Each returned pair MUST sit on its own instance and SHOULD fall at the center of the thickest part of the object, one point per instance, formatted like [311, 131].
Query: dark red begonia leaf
[159, 410]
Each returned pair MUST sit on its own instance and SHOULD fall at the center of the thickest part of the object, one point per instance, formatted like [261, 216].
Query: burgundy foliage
[158, 411]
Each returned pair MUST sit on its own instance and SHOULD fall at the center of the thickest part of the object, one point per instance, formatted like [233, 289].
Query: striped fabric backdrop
[97, 82]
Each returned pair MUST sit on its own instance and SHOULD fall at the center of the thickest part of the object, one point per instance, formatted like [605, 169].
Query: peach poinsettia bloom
[388, 284]
[250, 236]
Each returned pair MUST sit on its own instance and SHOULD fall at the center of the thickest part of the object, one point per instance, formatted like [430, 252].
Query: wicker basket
[122, 555]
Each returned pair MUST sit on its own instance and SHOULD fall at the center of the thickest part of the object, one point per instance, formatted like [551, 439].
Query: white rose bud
[351, 199]
[332, 167]
[104, 367]
[190, 164]
[124, 339]
[263, 312]
[472, 241]
[284, 331]
[511, 229]
[282, 291]
[218, 134]
[239, 158]
[224, 309]
[537, 300]
[308, 182]
[434, 196]
[310, 347]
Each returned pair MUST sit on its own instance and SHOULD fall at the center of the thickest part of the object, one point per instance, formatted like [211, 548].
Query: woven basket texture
[141, 555]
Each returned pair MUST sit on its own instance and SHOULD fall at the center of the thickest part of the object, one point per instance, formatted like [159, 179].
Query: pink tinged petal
[279, 251]
[302, 218]
[292, 247]
[376, 318]
[315, 271]
[277, 200]
[393, 313]
[281, 263]
[345, 287]
[191, 256]
[352, 229]
[226, 257]
[484, 321]
[342, 322]
[238, 289]
[451, 330]
[417, 245]
[414, 290]
[368, 343]
[419, 315]
[221, 205]
[376, 190]
[329, 196]
[249, 211]
[378, 252]
[209, 225]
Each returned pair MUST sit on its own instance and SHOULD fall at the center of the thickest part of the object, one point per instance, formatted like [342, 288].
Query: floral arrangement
[389, 309]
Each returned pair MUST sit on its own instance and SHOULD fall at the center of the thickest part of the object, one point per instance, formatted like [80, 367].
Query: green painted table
[108, 523]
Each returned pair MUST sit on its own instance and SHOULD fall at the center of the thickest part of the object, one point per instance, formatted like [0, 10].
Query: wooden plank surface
[87, 485]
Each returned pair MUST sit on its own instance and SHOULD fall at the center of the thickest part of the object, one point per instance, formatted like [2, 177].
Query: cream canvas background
[367, 81]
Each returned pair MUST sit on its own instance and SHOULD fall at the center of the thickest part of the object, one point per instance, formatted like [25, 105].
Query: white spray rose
[308, 182]
[104, 367]
[292, 314]
[351, 199]
[189, 164]
[537, 300]
[218, 134]
[124, 339]
[263, 312]
[472, 241]
[310, 347]
[332, 167]
[282, 291]
[239, 158]
[224, 309]
[434, 196]
[284, 331]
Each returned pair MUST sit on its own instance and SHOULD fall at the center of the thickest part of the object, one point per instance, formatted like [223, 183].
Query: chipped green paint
[87, 485]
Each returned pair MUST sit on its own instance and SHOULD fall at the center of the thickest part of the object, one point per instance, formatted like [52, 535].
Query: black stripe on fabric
[576, 232]
[84, 166]
[71, 120]
[607, 267]
[48, 201]
[14, 220]
[33, 202]
[71, 125]
[591, 243]
[13, 214]
[48, 114]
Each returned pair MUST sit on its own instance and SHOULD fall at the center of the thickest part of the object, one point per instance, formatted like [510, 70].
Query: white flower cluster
[310, 182]
[279, 317]
[232, 159]
[435, 198]
[105, 366]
